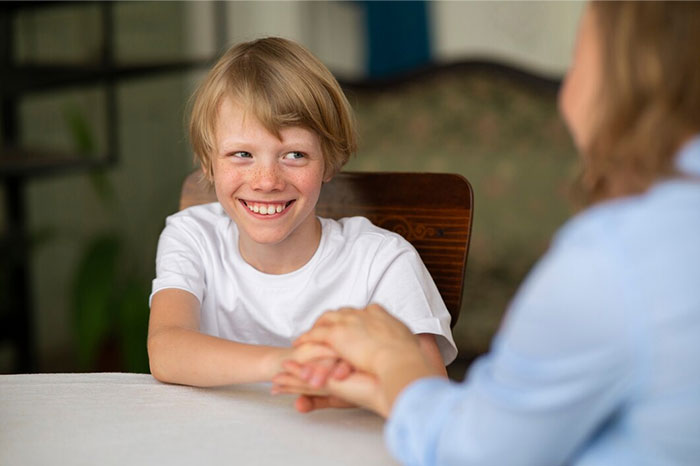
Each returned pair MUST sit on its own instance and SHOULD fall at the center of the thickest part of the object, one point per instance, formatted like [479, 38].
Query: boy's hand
[308, 378]
[308, 403]
[351, 389]
[303, 353]
[296, 377]
[305, 368]
[317, 372]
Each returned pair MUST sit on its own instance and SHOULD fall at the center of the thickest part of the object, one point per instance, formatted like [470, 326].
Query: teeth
[266, 209]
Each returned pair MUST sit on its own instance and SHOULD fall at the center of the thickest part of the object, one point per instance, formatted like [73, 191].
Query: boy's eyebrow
[299, 144]
[300, 140]
[228, 145]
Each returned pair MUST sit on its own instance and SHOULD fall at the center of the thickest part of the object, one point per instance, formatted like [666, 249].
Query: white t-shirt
[356, 264]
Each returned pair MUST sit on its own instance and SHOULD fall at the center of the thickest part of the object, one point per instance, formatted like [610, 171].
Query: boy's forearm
[188, 357]
[431, 353]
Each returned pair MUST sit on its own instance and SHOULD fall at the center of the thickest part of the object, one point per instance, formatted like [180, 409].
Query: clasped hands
[352, 357]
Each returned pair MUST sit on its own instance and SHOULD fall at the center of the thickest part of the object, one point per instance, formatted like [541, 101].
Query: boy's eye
[293, 155]
[242, 154]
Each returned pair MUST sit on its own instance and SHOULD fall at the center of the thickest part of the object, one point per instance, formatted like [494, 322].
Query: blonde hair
[282, 84]
[649, 100]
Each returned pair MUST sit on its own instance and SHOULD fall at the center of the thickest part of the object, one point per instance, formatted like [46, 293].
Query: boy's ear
[327, 178]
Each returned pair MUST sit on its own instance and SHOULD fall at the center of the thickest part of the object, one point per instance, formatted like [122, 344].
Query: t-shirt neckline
[277, 280]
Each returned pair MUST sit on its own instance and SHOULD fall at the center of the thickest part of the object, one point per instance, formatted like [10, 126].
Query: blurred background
[94, 151]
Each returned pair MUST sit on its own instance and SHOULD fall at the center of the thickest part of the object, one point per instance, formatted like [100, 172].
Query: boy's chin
[266, 239]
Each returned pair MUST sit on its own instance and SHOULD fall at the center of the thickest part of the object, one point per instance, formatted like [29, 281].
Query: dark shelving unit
[20, 164]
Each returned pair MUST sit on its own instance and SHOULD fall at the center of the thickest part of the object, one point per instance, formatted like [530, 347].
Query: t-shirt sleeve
[179, 259]
[405, 288]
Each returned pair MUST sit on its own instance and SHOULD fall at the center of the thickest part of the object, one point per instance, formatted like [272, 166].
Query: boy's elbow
[157, 359]
[157, 371]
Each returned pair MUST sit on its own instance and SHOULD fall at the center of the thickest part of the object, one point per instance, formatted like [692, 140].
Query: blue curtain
[398, 36]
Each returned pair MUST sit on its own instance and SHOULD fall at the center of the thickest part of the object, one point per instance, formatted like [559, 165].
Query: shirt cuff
[417, 418]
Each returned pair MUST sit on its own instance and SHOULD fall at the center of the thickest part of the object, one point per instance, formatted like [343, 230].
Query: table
[132, 419]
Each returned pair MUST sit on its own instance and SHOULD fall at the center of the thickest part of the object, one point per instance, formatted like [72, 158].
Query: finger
[292, 384]
[294, 368]
[307, 371]
[328, 319]
[288, 380]
[341, 370]
[304, 404]
[312, 351]
[360, 388]
[312, 335]
[279, 389]
[321, 371]
[302, 371]
[315, 335]
[374, 308]
[308, 403]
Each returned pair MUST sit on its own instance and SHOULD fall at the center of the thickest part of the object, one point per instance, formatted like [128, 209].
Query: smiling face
[268, 186]
[580, 87]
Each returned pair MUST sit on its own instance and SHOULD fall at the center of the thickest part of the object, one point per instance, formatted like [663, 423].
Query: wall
[154, 156]
[538, 36]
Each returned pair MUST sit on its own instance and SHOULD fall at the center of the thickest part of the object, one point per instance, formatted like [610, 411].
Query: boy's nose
[268, 178]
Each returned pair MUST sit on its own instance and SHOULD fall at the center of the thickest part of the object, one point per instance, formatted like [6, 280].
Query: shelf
[18, 165]
[24, 163]
[23, 4]
[30, 78]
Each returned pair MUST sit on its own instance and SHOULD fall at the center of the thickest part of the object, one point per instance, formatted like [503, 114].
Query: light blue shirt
[598, 359]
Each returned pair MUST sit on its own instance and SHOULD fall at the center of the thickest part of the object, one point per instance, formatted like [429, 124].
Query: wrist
[272, 361]
[399, 372]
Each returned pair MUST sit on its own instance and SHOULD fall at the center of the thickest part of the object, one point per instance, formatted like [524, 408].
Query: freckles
[259, 174]
[254, 173]
[309, 179]
[227, 177]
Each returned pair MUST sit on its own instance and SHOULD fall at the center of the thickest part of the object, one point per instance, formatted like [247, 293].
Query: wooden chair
[433, 211]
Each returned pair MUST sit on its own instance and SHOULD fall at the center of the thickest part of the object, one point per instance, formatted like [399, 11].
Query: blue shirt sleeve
[558, 371]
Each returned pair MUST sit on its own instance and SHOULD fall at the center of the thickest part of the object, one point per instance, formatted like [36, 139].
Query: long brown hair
[649, 101]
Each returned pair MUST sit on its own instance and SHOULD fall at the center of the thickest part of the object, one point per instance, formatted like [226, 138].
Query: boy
[237, 281]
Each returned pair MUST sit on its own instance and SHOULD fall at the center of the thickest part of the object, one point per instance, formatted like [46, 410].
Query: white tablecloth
[131, 419]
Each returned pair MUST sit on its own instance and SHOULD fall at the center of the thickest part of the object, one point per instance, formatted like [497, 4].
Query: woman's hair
[282, 84]
[649, 97]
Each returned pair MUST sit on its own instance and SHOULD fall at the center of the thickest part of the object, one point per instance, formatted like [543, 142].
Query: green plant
[109, 301]
[109, 305]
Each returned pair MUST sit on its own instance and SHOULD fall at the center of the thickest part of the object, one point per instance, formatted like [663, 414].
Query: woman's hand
[385, 354]
[362, 336]
[342, 388]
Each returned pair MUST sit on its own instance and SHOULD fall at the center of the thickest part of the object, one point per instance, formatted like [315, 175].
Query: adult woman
[596, 362]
